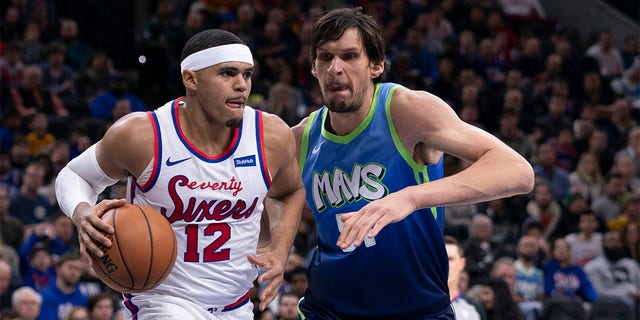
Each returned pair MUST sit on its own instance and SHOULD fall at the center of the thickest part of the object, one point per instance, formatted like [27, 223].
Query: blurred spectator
[12, 25]
[9, 314]
[587, 179]
[510, 131]
[286, 100]
[9, 176]
[465, 308]
[529, 279]
[627, 168]
[567, 154]
[531, 61]
[27, 303]
[288, 307]
[592, 90]
[11, 65]
[101, 307]
[63, 229]
[77, 313]
[531, 227]
[628, 85]
[30, 97]
[37, 265]
[504, 269]
[618, 123]
[78, 52]
[613, 274]
[631, 239]
[103, 105]
[5, 284]
[545, 167]
[33, 49]
[608, 57]
[47, 189]
[38, 254]
[586, 244]
[93, 79]
[497, 301]
[59, 78]
[40, 139]
[11, 228]
[632, 147]
[440, 30]
[630, 50]
[599, 146]
[607, 206]
[565, 278]
[27, 205]
[481, 250]
[297, 281]
[544, 209]
[63, 293]
[555, 119]
[20, 154]
[630, 212]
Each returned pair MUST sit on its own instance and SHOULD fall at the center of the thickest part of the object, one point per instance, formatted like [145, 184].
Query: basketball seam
[144, 214]
[101, 266]
[169, 267]
[124, 263]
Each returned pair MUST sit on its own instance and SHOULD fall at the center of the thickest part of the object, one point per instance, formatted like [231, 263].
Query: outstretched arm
[428, 127]
[283, 205]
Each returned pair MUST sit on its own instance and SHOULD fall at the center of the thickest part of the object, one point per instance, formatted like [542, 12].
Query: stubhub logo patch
[248, 161]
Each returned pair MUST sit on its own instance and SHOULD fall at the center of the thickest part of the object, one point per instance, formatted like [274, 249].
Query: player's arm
[124, 149]
[497, 171]
[283, 204]
[428, 127]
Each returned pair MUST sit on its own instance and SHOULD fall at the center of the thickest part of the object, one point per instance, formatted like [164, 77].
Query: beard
[233, 123]
[615, 254]
[340, 105]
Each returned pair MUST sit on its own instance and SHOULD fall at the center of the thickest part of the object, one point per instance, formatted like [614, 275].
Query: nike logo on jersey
[248, 161]
[170, 163]
[316, 148]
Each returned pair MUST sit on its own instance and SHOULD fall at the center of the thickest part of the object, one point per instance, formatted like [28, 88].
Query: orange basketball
[143, 249]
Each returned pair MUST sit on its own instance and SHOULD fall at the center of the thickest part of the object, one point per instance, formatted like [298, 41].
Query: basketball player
[372, 164]
[207, 163]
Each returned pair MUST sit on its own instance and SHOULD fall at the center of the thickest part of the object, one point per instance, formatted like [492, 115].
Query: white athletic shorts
[164, 307]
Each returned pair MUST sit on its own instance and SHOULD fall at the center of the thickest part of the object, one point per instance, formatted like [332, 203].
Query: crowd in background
[570, 106]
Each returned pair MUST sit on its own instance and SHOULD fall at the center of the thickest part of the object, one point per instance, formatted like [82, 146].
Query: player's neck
[211, 138]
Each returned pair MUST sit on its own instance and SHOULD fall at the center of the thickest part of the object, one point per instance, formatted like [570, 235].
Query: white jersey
[214, 205]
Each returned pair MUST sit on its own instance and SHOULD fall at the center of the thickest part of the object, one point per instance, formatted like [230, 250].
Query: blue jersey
[403, 270]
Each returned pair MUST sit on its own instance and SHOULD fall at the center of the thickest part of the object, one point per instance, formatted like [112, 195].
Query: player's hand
[92, 231]
[274, 274]
[368, 221]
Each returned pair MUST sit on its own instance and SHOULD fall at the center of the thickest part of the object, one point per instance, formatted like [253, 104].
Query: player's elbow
[524, 177]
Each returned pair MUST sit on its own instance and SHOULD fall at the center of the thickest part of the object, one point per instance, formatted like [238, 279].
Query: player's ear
[377, 68]
[189, 79]
[313, 70]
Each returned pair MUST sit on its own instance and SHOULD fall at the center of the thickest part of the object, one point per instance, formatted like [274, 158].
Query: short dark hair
[94, 299]
[208, 39]
[333, 25]
[455, 242]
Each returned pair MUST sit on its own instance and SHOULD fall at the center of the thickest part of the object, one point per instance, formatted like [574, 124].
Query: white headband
[214, 55]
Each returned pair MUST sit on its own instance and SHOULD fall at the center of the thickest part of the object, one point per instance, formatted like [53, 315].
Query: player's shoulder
[405, 97]
[134, 129]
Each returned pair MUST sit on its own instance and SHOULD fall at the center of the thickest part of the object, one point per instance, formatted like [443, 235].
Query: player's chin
[234, 123]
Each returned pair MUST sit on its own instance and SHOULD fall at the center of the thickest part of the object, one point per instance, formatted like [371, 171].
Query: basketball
[143, 249]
